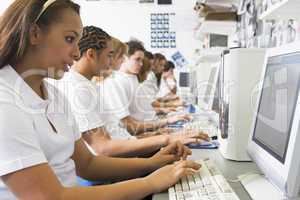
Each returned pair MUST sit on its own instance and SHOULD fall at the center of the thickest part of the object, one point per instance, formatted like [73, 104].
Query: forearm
[137, 127]
[131, 147]
[129, 190]
[108, 168]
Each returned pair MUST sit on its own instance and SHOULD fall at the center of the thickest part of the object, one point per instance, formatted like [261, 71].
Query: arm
[101, 142]
[26, 185]
[136, 127]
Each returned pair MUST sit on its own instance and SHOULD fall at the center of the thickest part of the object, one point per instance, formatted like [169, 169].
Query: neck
[33, 75]
[124, 68]
[83, 68]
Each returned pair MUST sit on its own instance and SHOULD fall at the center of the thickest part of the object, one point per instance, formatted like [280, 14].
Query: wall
[127, 19]
[130, 19]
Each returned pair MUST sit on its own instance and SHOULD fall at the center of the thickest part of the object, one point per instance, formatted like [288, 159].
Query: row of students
[41, 147]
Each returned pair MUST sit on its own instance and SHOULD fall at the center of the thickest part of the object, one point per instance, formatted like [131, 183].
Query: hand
[189, 136]
[166, 110]
[169, 154]
[169, 175]
[165, 131]
[176, 118]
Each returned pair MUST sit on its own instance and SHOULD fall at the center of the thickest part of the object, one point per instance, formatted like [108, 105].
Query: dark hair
[16, 21]
[158, 57]
[149, 55]
[142, 75]
[169, 65]
[93, 38]
[133, 46]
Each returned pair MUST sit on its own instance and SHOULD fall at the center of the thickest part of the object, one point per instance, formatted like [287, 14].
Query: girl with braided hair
[41, 150]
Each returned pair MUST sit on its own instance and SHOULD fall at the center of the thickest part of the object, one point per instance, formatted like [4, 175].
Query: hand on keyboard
[207, 184]
[188, 136]
[176, 118]
[171, 153]
[167, 176]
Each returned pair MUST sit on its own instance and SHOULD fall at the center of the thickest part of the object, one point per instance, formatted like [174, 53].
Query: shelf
[235, 2]
[210, 55]
[217, 27]
[285, 9]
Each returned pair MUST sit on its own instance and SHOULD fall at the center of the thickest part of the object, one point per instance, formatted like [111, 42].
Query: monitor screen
[210, 85]
[277, 104]
[184, 79]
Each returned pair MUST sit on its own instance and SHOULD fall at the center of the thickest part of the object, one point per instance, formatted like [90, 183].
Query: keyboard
[207, 184]
[203, 125]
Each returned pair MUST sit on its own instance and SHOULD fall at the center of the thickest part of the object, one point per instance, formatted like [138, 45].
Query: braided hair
[93, 38]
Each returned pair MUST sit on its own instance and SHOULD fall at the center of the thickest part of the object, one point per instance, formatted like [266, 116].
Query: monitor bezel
[265, 147]
[285, 176]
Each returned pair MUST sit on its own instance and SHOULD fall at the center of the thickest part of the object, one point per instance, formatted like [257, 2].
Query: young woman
[168, 82]
[40, 149]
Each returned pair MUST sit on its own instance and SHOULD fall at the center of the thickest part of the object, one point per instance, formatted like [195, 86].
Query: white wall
[125, 19]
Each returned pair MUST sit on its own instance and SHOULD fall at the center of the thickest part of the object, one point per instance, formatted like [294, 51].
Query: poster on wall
[161, 34]
[179, 60]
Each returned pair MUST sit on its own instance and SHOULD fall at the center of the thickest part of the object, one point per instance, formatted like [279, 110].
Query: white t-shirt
[113, 96]
[152, 80]
[165, 87]
[83, 98]
[144, 98]
[26, 136]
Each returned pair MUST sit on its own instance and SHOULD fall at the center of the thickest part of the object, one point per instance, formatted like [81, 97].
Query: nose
[76, 53]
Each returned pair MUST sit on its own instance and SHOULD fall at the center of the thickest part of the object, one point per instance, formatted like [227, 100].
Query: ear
[35, 34]
[90, 54]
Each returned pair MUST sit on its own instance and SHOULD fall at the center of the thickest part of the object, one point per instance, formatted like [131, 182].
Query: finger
[186, 153]
[170, 148]
[203, 136]
[188, 164]
[180, 149]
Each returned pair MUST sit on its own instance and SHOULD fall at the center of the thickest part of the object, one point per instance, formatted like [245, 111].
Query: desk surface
[230, 170]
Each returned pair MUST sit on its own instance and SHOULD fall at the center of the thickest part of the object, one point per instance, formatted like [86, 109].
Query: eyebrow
[77, 34]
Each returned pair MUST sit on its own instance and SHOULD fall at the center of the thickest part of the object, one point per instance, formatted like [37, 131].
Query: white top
[113, 96]
[83, 97]
[144, 98]
[165, 87]
[152, 80]
[26, 136]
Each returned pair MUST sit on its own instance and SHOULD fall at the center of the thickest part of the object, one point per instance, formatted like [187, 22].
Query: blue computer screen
[277, 104]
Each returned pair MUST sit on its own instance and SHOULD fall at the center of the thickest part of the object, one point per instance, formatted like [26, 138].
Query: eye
[69, 39]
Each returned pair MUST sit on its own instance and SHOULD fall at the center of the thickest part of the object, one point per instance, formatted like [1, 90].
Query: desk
[230, 170]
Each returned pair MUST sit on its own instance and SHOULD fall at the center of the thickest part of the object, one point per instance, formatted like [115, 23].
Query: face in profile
[159, 66]
[135, 62]
[104, 59]
[58, 47]
[117, 62]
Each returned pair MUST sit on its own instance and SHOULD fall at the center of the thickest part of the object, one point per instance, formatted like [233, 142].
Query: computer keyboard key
[223, 184]
[229, 196]
[178, 187]
[184, 184]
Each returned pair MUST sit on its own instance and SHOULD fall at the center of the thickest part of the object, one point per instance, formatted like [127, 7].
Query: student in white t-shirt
[41, 151]
[168, 82]
[126, 85]
[91, 114]
[154, 80]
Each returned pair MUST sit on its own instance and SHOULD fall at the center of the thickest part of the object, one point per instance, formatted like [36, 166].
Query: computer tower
[239, 74]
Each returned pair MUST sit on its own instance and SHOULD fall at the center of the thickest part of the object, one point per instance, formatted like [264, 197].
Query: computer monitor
[209, 94]
[274, 143]
[184, 79]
